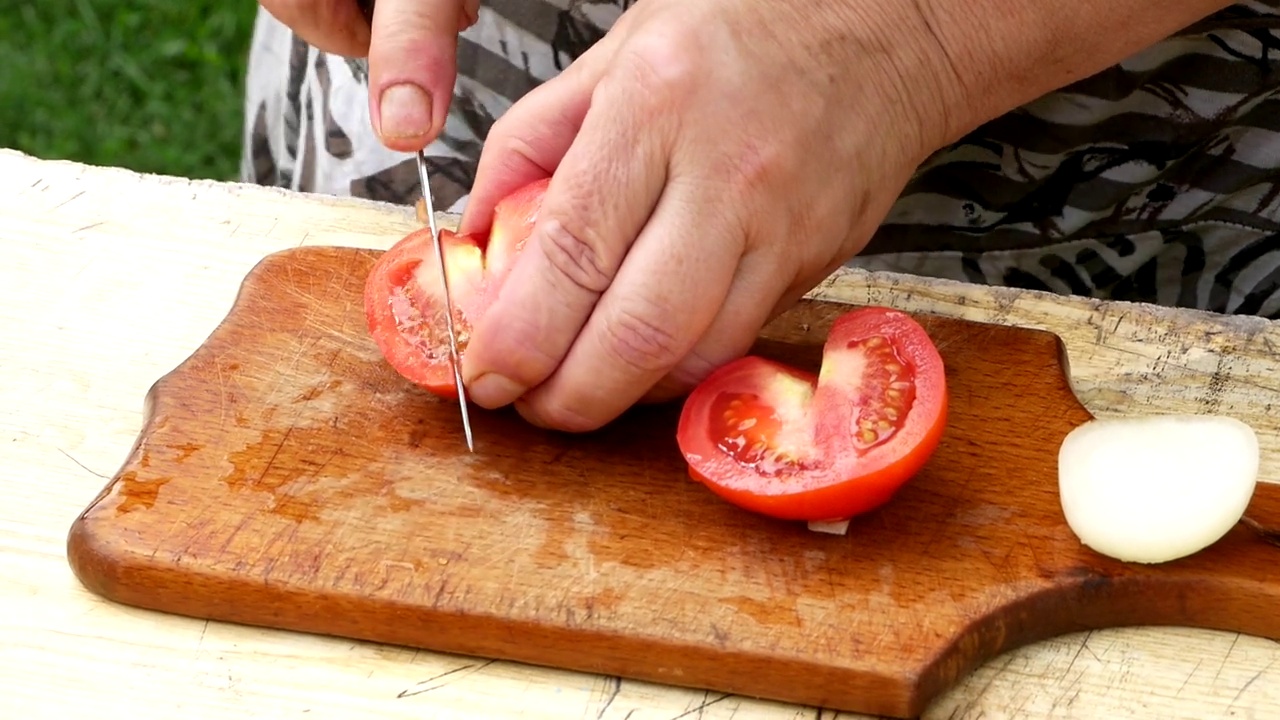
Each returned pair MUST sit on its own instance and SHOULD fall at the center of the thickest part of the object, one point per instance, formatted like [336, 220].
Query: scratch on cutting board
[60, 205]
[1190, 675]
[1249, 684]
[1221, 666]
[86, 468]
[702, 707]
[614, 684]
[435, 682]
[1084, 645]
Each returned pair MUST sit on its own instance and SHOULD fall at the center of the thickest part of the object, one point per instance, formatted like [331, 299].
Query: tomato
[404, 300]
[784, 443]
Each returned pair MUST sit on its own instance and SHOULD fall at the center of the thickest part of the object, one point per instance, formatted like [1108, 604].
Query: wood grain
[286, 477]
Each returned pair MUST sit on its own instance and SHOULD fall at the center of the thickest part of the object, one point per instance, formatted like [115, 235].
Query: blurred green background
[151, 85]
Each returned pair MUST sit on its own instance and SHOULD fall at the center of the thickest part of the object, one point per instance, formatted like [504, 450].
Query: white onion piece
[1156, 488]
[832, 527]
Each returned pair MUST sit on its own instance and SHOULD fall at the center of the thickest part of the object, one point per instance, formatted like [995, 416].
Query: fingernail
[405, 111]
[492, 390]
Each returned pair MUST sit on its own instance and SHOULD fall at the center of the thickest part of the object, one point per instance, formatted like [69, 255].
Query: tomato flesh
[886, 394]
[419, 310]
[515, 216]
[404, 300]
[784, 443]
[756, 429]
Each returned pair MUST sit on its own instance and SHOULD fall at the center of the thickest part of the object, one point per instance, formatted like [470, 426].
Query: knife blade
[367, 9]
[448, 303]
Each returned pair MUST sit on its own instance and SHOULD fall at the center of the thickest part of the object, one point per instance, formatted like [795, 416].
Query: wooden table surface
[113, 278]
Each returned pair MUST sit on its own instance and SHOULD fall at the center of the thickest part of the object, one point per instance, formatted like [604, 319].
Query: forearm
[991, 56]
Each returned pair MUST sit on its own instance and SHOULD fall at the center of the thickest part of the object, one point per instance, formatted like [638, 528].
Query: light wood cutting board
[287, 477]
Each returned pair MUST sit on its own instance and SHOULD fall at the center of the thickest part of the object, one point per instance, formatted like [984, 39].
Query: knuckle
[517, 350]
[662, 66]
[515, 143]
[505, 133]
[575, 256]
[756, 168]
[691, 370]
[640, 341]
[559, 416]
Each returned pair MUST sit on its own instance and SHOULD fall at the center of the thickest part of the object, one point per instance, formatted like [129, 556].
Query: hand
[412, 51]
[711, 163]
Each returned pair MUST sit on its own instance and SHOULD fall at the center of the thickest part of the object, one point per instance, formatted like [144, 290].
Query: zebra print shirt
[1153, 181]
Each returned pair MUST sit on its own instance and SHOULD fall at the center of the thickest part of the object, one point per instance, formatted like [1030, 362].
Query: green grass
[151, 85]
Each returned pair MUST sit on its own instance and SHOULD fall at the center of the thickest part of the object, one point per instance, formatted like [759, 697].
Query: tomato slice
[404, 300]
[514, 217]
[781, 442]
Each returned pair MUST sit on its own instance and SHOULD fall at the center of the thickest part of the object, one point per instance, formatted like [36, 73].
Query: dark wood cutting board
[286, 477]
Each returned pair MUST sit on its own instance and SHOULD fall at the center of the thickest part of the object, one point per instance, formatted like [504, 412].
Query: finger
[598, 200]
[334, 26]
[759, 293]
[470, 14]
[531, 138]
[664, 298]
[412, 70]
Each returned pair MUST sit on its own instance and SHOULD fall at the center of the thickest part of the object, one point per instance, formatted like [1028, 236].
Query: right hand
[412, 50]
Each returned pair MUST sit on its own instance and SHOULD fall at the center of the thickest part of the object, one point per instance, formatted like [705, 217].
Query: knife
[448, 304]
[366, 9]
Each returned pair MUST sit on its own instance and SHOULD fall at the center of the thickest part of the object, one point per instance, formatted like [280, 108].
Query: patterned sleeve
[1153, 181]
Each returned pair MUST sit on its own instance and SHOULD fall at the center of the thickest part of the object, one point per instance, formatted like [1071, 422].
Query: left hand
[712, 162]
[412, 50]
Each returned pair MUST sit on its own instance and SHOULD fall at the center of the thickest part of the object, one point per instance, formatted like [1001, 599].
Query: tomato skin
[818, 428]
[404, 301]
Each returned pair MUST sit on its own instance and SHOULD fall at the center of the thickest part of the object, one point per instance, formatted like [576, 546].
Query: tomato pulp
[788, 444]
[404, 300]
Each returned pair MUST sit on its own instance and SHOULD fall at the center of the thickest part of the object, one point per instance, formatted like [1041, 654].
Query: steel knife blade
[448, 302]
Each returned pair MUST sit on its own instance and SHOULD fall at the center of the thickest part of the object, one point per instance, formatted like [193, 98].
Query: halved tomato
[784, 443]
[404, 300]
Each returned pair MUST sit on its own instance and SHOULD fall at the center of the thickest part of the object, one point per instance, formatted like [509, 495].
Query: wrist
[953, 65]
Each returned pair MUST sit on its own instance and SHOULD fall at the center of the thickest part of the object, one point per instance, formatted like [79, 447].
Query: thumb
[412, 69]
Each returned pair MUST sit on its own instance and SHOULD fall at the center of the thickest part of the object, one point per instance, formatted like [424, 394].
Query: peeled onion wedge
[1156, 488]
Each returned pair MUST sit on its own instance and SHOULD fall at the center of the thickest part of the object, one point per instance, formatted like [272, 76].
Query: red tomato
[781, 442]
[404, 301]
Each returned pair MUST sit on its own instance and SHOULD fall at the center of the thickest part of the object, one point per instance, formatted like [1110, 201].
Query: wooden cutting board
[287, 477]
